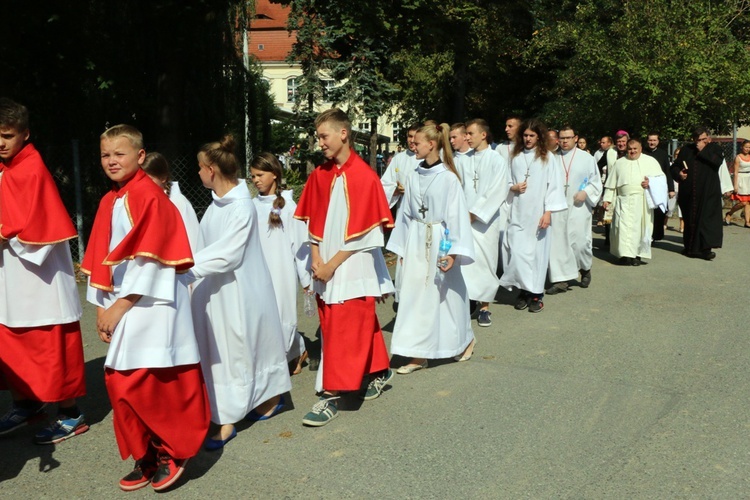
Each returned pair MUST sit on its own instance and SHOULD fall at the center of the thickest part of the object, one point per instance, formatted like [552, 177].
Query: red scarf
[364, 193]
[30, 205]
[158, 232]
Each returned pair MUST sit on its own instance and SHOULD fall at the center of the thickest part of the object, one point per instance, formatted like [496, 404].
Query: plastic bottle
[584, 184]
[445, 247]
[309, 304]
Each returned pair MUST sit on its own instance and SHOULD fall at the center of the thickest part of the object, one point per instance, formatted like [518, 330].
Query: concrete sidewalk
[636, 387]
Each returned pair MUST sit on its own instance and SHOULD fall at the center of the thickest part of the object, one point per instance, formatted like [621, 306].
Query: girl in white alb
[286, 249]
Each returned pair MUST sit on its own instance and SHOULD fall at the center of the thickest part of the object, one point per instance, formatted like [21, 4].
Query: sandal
[728, 219]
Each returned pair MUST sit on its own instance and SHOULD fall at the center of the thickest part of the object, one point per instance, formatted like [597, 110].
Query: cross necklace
[567, 169]
[422, 208]
[528, 165]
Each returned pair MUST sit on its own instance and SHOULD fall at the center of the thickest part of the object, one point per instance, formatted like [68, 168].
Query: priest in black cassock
[696, 169]
[661, 156]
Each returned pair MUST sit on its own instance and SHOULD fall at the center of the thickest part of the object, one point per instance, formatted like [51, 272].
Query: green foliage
[642, 64]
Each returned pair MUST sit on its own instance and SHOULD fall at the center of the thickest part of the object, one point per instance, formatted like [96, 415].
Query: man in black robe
[661, 156]
[696, 169]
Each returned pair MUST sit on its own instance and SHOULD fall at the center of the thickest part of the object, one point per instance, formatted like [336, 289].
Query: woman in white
[741, 191]
[433, 320]
[286, 249]
[234, 308]
[156, 167]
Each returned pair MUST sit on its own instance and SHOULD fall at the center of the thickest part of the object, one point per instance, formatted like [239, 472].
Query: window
[328, 85]
[397, 130]
[261, 47]
[364, 126]
[291, 89]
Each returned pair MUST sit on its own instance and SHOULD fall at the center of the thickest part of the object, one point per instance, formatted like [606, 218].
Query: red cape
[30, 205]
[364, 193]
[158, 232]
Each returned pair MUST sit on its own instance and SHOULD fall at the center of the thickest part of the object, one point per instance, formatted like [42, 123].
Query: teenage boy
[41, 353]
[486, 180]
[138, 244]
[346, 211]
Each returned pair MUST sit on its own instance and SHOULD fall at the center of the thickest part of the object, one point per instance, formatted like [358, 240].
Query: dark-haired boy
[41, 353]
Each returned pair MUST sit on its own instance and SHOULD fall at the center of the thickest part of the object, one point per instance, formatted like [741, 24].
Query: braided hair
[267, 162]
[156, 166]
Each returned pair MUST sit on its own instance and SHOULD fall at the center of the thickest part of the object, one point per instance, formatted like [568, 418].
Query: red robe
[30, 206]
[158, 232]
[353, 344]
[43, 363]
[367, 209]
[145, 401]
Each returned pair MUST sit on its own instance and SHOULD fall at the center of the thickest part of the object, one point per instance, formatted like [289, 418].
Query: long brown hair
[540, 129]
[267, 162]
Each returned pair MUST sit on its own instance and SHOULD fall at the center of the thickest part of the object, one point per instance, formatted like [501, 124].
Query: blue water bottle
[583, 184]
[445, 247]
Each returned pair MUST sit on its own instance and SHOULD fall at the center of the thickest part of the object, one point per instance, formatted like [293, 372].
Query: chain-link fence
[76, 168]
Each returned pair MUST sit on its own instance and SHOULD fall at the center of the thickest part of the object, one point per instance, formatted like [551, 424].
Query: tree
[641, 64]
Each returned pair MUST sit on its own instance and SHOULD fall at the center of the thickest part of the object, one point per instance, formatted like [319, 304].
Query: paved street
[634, 388]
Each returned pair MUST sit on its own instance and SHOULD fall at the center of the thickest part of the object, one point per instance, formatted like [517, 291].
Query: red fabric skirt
[43, 363]
[740, 197]
[165, 406]
[353, 344]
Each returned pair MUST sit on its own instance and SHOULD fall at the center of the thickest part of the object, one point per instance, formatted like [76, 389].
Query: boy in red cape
[346, 210]
[41, 353]
[138, 245]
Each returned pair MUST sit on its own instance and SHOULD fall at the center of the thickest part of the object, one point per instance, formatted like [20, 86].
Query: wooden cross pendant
[422, 210]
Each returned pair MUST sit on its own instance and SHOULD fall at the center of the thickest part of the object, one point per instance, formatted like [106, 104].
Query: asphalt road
[636, 387]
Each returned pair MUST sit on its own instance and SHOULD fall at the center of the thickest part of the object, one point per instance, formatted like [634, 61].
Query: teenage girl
[285, 246]
[433, 320]
[156, 167]
[236, 319]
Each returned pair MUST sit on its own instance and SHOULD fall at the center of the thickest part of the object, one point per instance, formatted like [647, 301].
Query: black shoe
[522, 302]
[535, 305]
[585, 278]
[626, 261]
[560, 287]
[708, 255]
[636, 262]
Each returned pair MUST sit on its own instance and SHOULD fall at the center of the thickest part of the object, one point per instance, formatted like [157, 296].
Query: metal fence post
[79, 196]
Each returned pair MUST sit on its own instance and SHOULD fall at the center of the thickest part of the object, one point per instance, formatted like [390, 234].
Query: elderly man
[696, 169]
[632, 221]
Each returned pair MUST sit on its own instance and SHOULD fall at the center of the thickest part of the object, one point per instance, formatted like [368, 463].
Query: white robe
[571, 249]
[287, 254]
[363, 274]
[234, 308]
[157, 332]
[398, 170]
[31, 275]
[485, 181]
[525, 246]
[433, 320]
[192, 225]
[632, 221]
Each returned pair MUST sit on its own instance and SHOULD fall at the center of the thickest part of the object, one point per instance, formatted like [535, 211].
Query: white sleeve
[34, 254]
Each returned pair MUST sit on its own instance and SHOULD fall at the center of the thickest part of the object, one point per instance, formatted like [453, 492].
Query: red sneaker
[168, 471]
[141, 475]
